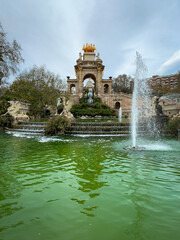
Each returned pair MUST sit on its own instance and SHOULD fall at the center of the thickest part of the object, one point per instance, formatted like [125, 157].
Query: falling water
[141, 97]
[120, 115]
[90, 95]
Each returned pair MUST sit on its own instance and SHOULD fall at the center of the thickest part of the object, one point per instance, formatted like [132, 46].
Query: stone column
[80, 79]
[99, 81]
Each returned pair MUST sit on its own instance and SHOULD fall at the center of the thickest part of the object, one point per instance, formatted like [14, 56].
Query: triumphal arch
[89, 68]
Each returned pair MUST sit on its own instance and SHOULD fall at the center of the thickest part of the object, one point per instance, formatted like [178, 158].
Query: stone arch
[117, 105]
[106, 88]
[90, 76]
[73, 88]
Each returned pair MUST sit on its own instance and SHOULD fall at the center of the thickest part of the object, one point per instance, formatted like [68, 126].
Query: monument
[89, 67]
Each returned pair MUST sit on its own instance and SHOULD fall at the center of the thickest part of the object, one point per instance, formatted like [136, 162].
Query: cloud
[171, 65]
[127, 64]
[53, 32]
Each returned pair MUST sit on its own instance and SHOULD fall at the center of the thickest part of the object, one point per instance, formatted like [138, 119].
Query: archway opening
[89, 81]
[106, 88]
[117, 105]
[73, 88]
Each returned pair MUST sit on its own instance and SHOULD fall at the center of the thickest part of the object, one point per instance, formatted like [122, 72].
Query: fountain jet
[141, 98]
[120, 115]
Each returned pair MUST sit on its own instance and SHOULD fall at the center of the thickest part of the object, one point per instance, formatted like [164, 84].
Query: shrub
[4, 106]
[6, 121]
[82, 100]
[57, 125]
[173, 126]
[92, 109]
[85, 100]
[97, 100]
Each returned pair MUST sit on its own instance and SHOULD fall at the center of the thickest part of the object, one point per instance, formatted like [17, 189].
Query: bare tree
[10, 56]
[122, 83]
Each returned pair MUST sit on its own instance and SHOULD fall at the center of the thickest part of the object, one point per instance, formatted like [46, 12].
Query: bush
[92, 109]
[6, 121]
[173, 126]
[57, 125]
[4, 106]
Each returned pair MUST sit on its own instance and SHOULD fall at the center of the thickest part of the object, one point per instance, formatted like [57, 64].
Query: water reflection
[87, 162]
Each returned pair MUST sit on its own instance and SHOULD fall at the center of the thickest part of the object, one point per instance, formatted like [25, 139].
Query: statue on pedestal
[80, 56]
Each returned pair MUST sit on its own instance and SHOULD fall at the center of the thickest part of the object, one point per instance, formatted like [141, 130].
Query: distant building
[171, 81]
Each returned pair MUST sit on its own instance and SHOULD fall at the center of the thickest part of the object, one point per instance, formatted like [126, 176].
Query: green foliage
[97, 100]
[6, 121]
[39, 87]
[173, 126]
[92, 109]
[57, 125]
[85, 100]
[4, 106]
[82, 100]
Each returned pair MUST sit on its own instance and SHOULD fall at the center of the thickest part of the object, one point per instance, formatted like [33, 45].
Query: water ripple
[68, 185]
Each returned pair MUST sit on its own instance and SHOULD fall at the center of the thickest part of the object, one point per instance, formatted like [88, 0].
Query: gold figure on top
[89, 48]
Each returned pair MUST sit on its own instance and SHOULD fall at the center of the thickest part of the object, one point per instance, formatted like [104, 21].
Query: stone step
[29, 127]
[127, 133]
[96, 132]
[34, 123]
[99, 124]
[25, 131]
[98, 128]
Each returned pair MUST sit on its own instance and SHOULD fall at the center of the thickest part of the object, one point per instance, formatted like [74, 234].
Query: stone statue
[158, 108]
[161, 118]
[80, 56]
[58, 103]
[98, 56]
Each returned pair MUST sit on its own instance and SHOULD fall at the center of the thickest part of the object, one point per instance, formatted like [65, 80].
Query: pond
[83, 188]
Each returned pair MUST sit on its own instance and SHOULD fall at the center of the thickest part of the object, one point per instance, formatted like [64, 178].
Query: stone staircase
[29, 127]
[80, 128]
[98, 128]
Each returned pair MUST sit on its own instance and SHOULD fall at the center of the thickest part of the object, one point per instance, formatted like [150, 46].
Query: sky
[52, 33]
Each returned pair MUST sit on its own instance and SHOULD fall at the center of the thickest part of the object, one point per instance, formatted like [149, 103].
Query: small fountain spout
[90, 95]
[120, 115]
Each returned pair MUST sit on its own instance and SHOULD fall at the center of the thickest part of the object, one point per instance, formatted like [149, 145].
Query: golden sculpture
[89, 48]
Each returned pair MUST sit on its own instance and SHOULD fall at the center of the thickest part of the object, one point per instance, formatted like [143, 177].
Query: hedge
[92, 109]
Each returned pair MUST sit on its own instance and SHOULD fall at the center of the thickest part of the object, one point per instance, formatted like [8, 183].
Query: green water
[76, 188]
